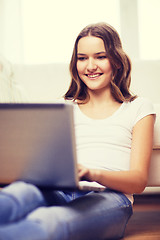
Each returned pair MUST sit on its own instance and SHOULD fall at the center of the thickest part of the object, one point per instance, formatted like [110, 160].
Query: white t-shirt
[106, 143]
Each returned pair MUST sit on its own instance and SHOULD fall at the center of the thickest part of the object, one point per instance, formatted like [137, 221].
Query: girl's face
[93, 66]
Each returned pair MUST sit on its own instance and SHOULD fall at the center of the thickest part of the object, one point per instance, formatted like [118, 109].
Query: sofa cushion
[156, 141]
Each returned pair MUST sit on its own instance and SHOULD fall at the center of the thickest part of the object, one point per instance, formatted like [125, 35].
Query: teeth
[93, 75]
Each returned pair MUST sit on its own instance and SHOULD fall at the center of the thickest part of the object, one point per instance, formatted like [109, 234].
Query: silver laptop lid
[37, 144]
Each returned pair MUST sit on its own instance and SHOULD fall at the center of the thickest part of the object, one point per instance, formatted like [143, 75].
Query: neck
[100, 97]
[100, 105]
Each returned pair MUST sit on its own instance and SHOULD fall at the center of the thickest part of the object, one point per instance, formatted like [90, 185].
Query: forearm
[131, 181]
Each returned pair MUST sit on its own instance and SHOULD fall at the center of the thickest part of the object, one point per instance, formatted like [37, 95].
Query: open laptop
[37, 145]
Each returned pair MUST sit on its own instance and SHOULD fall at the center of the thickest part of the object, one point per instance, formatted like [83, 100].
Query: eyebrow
[98, 53]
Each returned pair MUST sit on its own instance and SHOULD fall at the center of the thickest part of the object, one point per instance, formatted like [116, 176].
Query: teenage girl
[114, 134]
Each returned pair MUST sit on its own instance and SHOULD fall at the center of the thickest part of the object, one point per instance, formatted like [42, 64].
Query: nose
[91, 66]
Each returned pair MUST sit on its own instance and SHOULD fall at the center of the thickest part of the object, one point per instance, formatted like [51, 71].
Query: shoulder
[140, 103]
[139, 108]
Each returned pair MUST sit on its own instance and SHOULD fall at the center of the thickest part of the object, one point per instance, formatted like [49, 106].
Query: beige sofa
[45, 83]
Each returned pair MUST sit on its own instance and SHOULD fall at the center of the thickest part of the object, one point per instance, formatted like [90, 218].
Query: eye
[81, 58]
[102, 57]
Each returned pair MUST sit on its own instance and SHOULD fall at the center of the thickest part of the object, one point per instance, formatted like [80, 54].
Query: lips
[95, 75]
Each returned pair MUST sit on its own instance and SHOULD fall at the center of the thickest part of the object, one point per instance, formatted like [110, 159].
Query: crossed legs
[27, 215]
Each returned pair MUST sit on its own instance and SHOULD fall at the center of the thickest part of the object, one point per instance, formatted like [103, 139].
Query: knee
[18, 186]
[40, 214]
[53, 220]
[23, 192]
[19, 199]
[47, 215]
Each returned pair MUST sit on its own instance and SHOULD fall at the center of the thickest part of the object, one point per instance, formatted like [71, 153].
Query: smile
[94, 75]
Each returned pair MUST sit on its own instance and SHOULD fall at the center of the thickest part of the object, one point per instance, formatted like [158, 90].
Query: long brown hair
[120, 62]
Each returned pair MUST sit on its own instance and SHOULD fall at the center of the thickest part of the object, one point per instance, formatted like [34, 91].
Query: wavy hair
[120, 63]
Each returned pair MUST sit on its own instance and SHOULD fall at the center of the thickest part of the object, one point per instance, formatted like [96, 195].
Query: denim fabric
[27, 213]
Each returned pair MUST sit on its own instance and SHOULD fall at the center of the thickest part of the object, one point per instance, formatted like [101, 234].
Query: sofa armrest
[156, 140]
[154, 171]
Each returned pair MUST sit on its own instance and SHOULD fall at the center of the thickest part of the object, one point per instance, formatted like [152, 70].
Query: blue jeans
[26, 213]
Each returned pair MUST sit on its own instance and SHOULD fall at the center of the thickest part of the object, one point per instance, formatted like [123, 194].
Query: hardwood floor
[145, 222]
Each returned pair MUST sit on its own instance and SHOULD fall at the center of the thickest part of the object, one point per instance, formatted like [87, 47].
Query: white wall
[11, 42]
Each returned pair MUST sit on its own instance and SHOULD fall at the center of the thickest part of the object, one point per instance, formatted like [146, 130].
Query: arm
[135, 179]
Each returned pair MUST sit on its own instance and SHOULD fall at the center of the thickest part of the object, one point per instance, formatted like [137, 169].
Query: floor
[145, 222]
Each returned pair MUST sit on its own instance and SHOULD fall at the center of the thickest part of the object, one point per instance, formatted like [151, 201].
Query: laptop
[37, 145]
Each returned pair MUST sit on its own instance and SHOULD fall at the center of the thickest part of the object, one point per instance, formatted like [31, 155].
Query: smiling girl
[111, 128]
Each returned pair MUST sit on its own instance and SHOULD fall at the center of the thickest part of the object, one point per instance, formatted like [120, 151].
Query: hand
[86, 173]
[82, 171]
